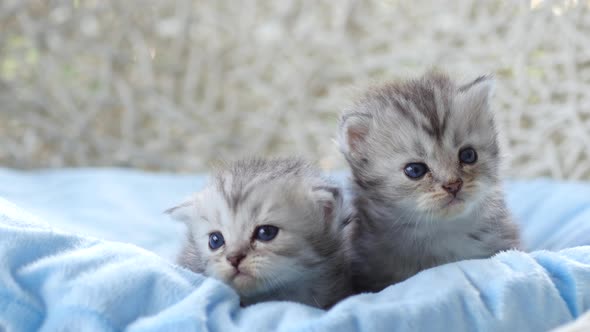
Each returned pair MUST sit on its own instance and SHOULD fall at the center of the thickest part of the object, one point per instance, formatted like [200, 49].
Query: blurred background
[176, 85]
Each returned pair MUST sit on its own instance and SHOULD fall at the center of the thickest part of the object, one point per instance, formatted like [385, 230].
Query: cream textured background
[174, 85]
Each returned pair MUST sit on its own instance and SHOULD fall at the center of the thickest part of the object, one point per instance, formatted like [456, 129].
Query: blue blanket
[89, 250]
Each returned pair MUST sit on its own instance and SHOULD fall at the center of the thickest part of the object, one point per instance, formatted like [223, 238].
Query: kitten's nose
[453, 187]
[235, 259]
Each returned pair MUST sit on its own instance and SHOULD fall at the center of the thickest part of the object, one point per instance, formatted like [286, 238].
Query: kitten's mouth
[454, 201]
[239, 273]
[242, 281]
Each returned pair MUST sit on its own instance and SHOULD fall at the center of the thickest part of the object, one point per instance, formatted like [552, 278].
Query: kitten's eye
[215, 240]
[468, 156]
[415, 170]
[265, 232]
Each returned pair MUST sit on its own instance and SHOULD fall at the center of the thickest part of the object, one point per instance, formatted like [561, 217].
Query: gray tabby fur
[404, 226]
[304, 263]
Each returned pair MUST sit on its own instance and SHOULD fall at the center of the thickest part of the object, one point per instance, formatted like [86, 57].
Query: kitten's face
[434, 158]
[266, 243]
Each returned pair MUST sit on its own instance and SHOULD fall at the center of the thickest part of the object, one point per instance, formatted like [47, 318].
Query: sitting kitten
[424, 158]
[271, 229]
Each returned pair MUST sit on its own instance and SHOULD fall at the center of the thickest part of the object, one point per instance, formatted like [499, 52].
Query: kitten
[271, 229]
[425, 160]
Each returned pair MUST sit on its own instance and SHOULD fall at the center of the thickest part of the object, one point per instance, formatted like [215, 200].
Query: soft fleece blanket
[89, 250]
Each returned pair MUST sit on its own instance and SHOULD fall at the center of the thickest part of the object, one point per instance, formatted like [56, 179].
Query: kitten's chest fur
[386, 252]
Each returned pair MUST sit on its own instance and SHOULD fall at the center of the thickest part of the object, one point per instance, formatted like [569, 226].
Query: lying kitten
[424, 158]
[271, 229]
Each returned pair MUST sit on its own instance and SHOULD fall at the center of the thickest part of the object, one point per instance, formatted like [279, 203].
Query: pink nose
[235, 260]
[453, 187]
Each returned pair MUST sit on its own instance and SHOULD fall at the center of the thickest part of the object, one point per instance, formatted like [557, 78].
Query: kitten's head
[262, 225]
[427, 146]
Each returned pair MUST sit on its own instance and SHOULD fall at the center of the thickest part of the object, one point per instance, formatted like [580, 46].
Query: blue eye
[215, 240]
[415, 170]
[265, 232]
[468, 156]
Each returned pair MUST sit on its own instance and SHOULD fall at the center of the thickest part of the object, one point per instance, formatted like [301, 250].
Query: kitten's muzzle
[235, 259]
[453, 187]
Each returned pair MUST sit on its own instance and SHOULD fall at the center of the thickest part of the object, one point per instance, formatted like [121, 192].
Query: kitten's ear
[478, 92]
[183, 212]
[354, 128]
[330, 200]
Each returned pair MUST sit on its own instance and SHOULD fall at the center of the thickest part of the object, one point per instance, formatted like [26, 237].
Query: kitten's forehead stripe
[221, 187]
[428, 97]
[404, 112]
[457, 139]
[384, 98]
[255, 211]
[237, 181]
[444, 107]
[423, 97]
[419, 149]
[239, 195]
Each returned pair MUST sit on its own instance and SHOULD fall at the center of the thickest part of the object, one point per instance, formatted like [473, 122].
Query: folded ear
[354, 128]
[476, 94]
[184, 212]
[330, 199]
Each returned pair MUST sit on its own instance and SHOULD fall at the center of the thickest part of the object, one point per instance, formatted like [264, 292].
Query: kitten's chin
[459, 206]
[453, 207]
[241, 280]
[450, 207]
[440, 208]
